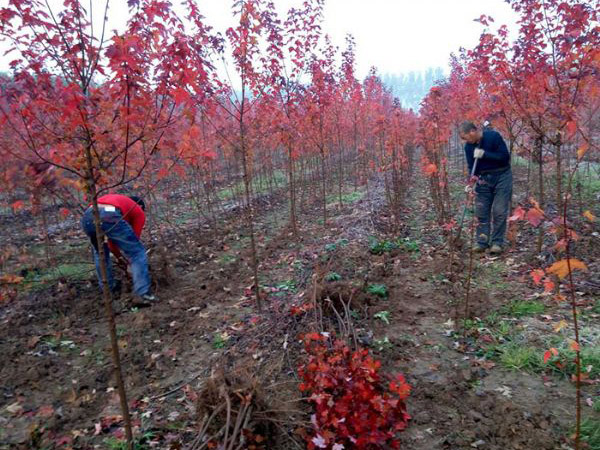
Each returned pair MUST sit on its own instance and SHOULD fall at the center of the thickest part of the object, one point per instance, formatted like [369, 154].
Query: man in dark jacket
[122, 220]
[494, 184]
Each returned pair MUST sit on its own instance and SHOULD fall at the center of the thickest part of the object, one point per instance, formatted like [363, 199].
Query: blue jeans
[494, 191]
[121, 234]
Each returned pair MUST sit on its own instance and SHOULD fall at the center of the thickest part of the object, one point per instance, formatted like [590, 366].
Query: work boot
[116, 289]
[495, 250]
[144, 300]
[478, 248]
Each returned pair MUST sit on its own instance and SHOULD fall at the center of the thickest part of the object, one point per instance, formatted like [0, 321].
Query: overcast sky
[403, 35]
[393, 35]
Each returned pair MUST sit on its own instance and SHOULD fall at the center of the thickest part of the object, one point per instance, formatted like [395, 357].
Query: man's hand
[468, 188]
[478, 153]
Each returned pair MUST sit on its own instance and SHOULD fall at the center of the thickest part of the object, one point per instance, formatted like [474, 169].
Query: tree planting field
[310, 241]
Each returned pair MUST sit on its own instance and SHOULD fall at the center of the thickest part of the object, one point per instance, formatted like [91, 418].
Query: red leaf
[430, 169]
[313, 337]
[210, 154]
[449, 226]
[537, 275]
[64, 440]
[45, 411]
[548, 354]
[571, 128]
[180, 95]
[535, 216]
[162, 173]
[518, 214]
[561, 245]
[574, 346]
[548, 285]
[17, 205]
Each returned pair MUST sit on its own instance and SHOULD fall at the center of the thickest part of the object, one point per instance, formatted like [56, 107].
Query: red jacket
[132, 213]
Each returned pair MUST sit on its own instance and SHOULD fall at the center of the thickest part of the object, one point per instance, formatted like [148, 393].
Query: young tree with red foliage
[319, 99]
[300, 36]
[434, 133]
[540, 85]
[93, 106]
[258, 25]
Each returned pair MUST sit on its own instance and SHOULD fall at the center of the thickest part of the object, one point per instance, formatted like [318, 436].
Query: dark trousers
[494, 191]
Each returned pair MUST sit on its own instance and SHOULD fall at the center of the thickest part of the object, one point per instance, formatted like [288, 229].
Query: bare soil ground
[468, 389]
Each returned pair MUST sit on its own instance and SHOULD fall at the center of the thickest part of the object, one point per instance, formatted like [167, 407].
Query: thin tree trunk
[540, 143]
[292, 187]
[528, 177]
[324, 186]
[250, 214]
[340, 165]
[559, 174]
[356, 156]
[46, 234]
[106, 294]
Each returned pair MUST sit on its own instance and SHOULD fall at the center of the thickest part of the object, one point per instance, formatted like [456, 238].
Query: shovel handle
[474, 167]
[462, 218]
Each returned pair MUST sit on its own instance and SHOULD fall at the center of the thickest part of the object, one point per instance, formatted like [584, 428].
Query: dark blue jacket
[496, 156]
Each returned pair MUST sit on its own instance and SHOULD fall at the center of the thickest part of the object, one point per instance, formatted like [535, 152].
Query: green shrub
[333, 276]
[380, 290]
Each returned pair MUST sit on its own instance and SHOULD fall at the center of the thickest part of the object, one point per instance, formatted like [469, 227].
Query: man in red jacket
[122, 220]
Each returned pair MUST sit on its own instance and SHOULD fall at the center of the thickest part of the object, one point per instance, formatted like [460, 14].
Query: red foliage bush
[353, 408]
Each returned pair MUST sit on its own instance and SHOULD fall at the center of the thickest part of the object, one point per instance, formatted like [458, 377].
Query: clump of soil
[336, 294]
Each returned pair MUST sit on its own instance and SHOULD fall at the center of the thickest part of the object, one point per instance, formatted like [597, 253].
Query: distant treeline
[411, 87]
